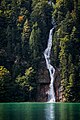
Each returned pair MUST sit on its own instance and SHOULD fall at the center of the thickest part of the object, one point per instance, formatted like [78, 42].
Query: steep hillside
[24, 31]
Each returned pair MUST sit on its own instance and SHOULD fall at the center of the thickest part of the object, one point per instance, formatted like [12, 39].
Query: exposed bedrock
[43, 83]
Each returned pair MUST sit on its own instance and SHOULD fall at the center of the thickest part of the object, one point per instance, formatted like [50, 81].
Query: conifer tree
[35, 42]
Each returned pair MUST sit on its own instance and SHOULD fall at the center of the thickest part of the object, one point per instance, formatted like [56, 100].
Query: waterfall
[47, 52]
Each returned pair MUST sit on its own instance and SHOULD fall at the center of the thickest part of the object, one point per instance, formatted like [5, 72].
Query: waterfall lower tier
[47, 52]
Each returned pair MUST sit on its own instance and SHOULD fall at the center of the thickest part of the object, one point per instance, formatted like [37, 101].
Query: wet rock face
[42, 95]
[57, 84]
[42, 83]
[43, 74]
[59, 90]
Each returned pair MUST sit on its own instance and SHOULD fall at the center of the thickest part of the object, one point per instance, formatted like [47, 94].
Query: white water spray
[47, 52]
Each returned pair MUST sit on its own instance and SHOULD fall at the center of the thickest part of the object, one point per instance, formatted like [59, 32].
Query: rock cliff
[43, 84]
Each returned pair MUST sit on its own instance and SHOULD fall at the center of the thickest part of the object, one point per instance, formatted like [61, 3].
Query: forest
[24, 31]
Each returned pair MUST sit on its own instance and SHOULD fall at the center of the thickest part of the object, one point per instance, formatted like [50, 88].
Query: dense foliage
[66, 42]
[24, 30]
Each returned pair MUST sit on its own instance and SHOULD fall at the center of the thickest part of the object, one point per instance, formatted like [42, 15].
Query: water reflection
[65, 111]
[15, 112]
[62, 111]
[49, 111]
[40, 111]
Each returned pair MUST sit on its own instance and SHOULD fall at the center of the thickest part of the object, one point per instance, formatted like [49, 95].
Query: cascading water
[47, 52]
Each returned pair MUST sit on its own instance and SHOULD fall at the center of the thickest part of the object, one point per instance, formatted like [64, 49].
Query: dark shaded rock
[59, 90]
[42, 82]
[43, 74]
[57, 84]
[42, 95]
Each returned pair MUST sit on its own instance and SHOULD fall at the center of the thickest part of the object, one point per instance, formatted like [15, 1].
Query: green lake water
[39, 111]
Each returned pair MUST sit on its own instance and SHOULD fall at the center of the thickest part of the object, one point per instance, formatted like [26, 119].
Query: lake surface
[39, 111]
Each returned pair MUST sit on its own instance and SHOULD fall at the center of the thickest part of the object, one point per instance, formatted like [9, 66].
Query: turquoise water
[39, 111]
